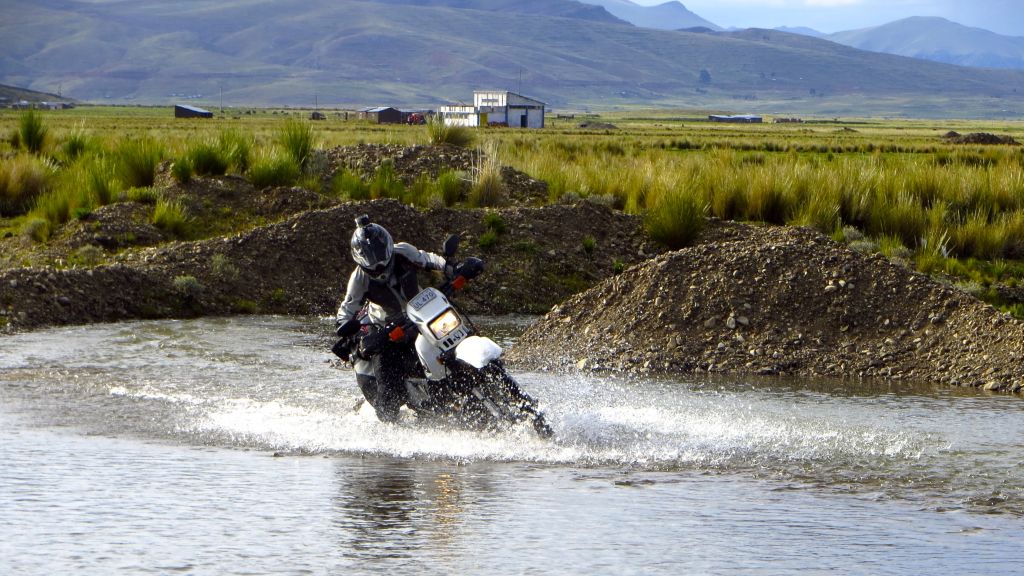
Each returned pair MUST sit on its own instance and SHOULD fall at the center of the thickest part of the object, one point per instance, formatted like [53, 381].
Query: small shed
[737, 119]
[382, 115]
[186, 111]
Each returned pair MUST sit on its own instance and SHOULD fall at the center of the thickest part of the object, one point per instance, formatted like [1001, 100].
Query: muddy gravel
[299, 265]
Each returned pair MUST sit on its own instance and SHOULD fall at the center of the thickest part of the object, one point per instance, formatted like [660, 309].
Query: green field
[897, 187]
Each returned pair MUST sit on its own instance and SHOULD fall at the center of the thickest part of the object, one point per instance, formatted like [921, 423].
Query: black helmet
[371, 246]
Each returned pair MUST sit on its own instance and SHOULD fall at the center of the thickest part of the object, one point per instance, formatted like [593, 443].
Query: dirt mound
[535, 258]
[412, 162]
[751, 300]
[594, 125]
[978, 138]
[112, 227]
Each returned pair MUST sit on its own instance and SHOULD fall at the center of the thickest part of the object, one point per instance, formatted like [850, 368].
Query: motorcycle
[477, 391]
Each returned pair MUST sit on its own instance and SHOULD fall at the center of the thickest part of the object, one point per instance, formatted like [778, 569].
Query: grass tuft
[296, 138]
[31, 131]
[438, 132]
[169, 216]
[23, 179]
[236, 149]
[675, 218]
[488, 187]
[207, 159]
[273, 168]
[136, 160]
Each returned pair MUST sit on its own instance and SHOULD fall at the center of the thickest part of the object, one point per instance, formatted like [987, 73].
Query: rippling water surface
[230, 446]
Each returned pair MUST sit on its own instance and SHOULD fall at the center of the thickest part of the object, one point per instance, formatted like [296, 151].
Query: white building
[496, 108]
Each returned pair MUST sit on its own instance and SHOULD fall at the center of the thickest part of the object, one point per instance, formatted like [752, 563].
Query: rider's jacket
[388, 294]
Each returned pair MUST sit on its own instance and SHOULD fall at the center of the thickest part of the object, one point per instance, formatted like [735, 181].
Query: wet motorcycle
[477, 391]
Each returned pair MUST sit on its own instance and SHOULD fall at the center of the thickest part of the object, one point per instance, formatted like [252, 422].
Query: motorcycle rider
[384, 280]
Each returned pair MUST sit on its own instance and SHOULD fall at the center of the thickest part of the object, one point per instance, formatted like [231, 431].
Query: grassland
[897, 187]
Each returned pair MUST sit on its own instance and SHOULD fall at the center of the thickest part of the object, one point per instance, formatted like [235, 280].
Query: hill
[940, 40]
[802, 30]
[360, 52]
[666, 16]
[11, 94]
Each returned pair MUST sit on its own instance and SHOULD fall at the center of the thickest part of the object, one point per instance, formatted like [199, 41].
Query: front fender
[478, 351]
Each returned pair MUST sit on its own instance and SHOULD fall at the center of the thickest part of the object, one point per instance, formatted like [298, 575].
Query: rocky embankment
[299, 265]
[772, 300]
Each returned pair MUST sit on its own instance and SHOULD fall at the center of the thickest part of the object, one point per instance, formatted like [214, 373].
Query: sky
[1001, 16]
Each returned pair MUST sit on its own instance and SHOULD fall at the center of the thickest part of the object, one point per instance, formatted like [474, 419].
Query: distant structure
[496, 108]
[382, 115]
[186, 111]
[737, 119]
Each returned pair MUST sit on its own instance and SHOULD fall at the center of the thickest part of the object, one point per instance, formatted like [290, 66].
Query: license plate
[422, 299]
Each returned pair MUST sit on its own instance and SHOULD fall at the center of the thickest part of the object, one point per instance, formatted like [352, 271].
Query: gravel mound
[979, 138]
[772, 300]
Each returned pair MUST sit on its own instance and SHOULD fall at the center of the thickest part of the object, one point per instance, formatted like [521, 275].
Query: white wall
[459, 116]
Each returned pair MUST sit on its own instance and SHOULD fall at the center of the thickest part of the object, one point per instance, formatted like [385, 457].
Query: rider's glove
[469, 268]
[371, 343]
[343, 348]
[346, 329]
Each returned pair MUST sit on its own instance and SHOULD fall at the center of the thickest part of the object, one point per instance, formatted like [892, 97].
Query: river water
[230, 446]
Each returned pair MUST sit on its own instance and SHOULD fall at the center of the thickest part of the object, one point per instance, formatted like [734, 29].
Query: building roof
[509, 92]
[192, 108]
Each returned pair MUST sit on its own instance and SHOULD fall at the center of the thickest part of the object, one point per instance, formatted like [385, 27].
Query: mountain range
[426, 52]
[671, 15]
[940, 40]
[927, 38]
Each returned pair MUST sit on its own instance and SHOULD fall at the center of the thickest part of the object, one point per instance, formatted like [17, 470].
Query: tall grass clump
[386, 183]
[348, 185]
[236, 149]
[449, 187]
[100, 179]
[23, 179]
[674, 217]
[438, 132]
[136, 160]
[31, 131]
[75, 145]
[206, 159]
[77, 191]
[182, 170]
[980, 236]
[900, 216]
[766, 196]
[61, 204]
[488, 187]
[272, 167]
[169, 216]
[296, 139]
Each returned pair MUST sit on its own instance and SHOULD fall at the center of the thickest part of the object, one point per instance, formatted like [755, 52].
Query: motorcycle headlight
[444, 324]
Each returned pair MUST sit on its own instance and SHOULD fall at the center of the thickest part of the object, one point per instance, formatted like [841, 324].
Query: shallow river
[230, 446]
